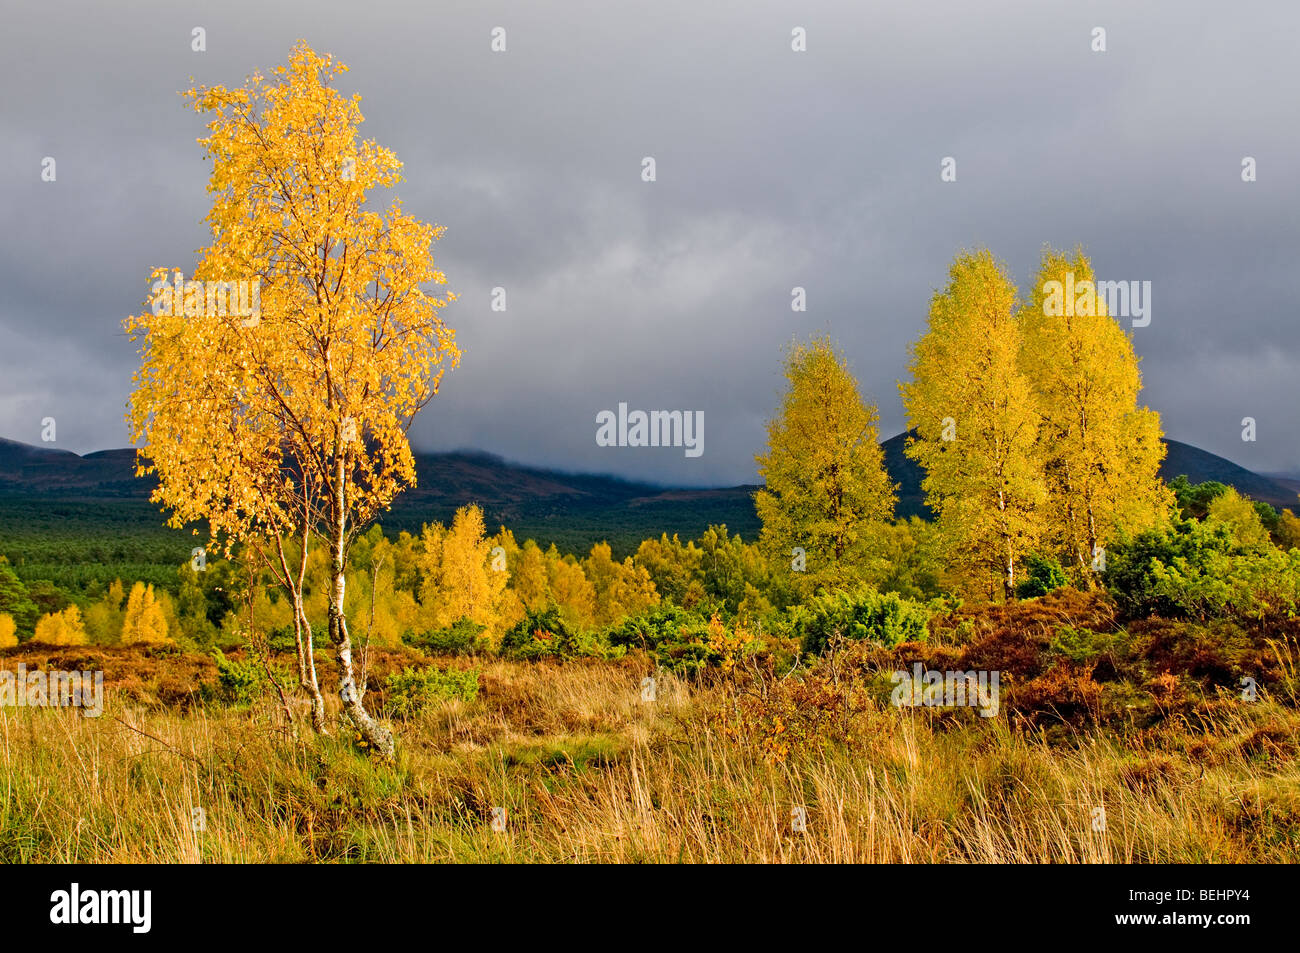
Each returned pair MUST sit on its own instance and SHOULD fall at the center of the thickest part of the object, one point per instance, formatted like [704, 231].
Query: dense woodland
[445, 588]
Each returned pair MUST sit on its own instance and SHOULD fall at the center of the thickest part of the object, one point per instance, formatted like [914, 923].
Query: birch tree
[1101, 449]
[825, 486]
[976, 423]
[290, 419]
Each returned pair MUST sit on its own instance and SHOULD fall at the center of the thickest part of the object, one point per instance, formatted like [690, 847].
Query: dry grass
[588, 772]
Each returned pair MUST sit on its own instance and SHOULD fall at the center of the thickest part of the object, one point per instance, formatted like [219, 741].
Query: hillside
[1181, 458]
[60, 510]
[50, 494]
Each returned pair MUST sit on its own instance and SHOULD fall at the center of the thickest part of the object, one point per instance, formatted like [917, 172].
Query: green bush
[239, 683]
[1197, 570]
[281, 639]
[545, 634]
[860, 614]
[655, 627]
[1083, 645]
[677, 639]
[1194, 499]
[411, 690]
[1044, 575]
[462, 637]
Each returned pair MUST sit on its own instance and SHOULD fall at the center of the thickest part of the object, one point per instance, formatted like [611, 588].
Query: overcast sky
[775, 169]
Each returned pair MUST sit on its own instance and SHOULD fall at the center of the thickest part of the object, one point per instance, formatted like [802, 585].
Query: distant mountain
[1198, 465]
[1287, 480]
[25, 469]
[39, 484]
[45, 487]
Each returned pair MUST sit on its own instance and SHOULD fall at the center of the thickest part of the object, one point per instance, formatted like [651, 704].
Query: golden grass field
[588, 772]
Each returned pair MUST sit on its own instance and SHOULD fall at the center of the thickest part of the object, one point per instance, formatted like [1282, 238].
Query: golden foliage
[1242, 519]
[977, 422]
[826, 484]
[459, 581]
[621, 589]
[1101, 449]
[300, 415]
[144, 623]
[570, 588]
[61, 628]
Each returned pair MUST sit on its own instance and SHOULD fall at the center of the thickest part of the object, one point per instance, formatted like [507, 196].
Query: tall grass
[589, 773]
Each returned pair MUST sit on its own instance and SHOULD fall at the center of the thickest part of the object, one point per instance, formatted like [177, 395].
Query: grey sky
[775, 169]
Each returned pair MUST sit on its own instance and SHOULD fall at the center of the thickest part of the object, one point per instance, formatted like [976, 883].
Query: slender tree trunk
[376, 735]
[307, 666]
[302, 637]
[1092, 545]
[1072, 523]
[1009, 579]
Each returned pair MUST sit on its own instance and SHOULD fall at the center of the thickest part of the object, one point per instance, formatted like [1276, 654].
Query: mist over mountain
[571, 509]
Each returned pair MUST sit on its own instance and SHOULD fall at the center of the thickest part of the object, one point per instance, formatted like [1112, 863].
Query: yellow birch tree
[144, 622]
[825, 487]
[286, 416]
[60, 628]
[976, 424]
[622, 589]
[459, 581]
[1101, 449]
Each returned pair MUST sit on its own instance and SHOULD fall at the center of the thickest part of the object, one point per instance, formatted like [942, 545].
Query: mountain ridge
[1181, 459]
[540, 502]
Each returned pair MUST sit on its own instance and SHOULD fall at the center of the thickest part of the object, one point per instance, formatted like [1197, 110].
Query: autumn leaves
[1026, 423]
[825, 488]
[290, 433]
[1051, 452]
[295, 427]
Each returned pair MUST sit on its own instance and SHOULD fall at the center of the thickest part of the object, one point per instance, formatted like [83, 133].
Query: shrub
[462, 637]
[1194, 499]
[652, 629]
[281, 639]
[781, 717]
[862, 613]
[684, 647]
[238, 683]
[545, 634]
[712, 646]
[1044, 575]
[681, 640]
[1194, 569]
[1082, 646]
[411, 690]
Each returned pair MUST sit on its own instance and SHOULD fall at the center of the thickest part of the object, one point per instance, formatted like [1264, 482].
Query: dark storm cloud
[775, 169]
